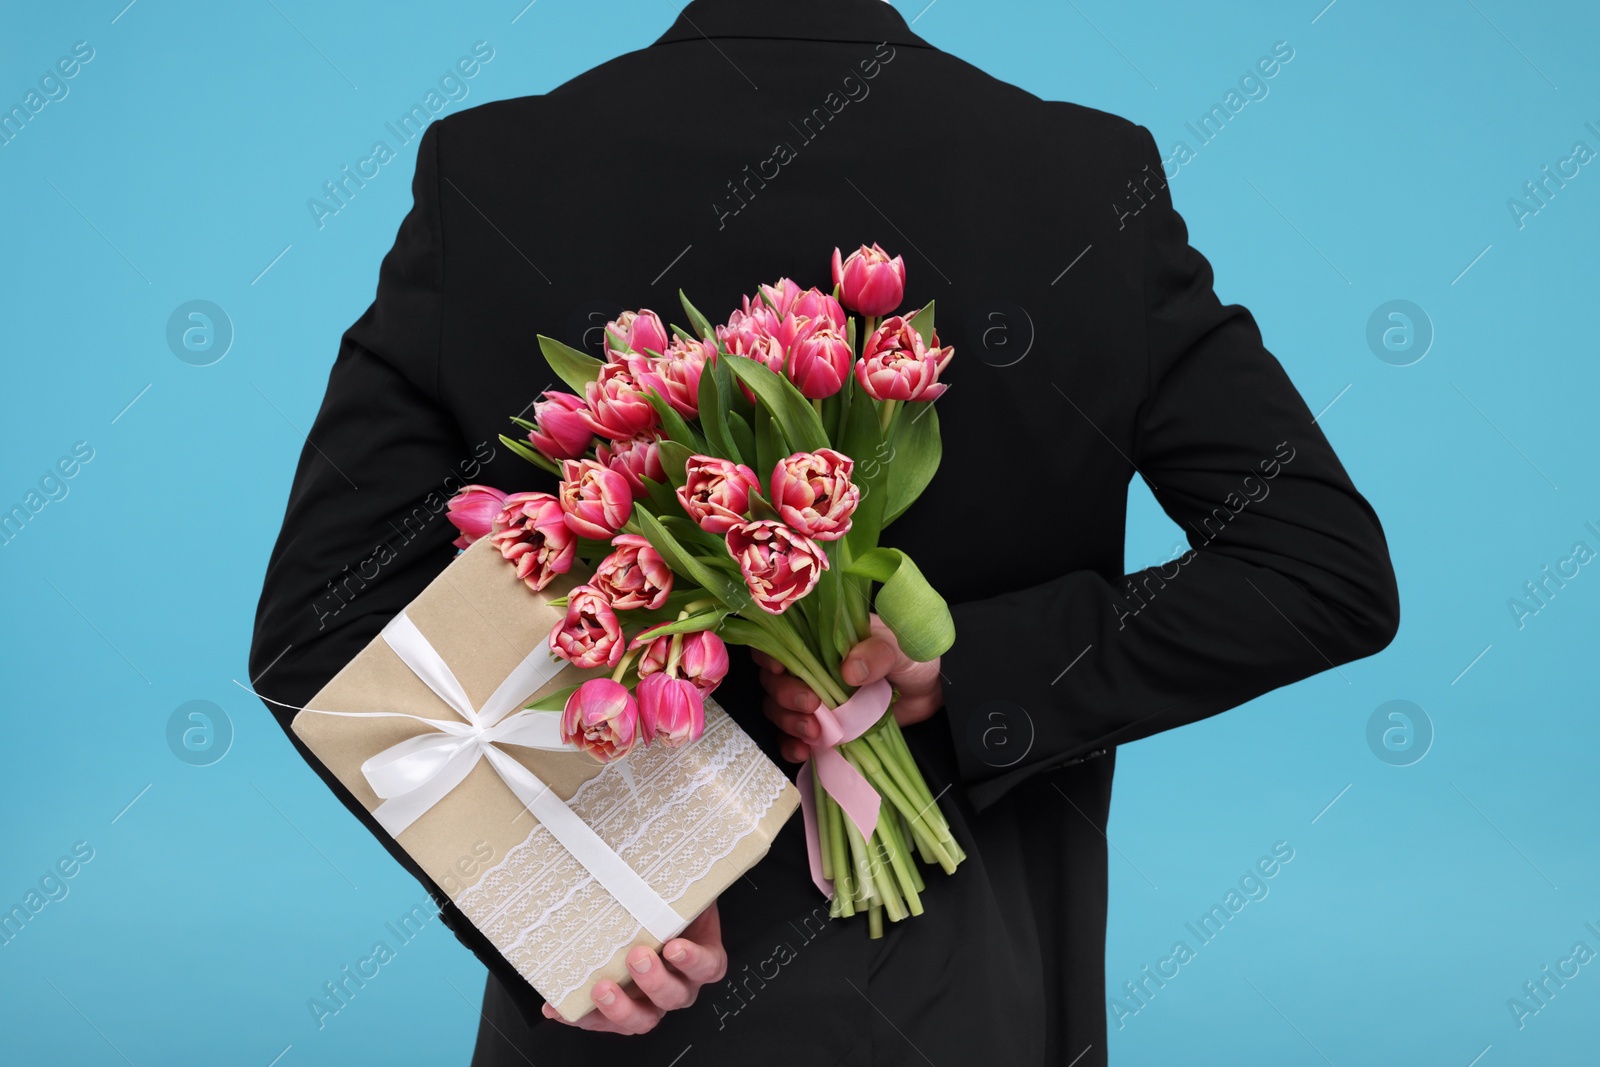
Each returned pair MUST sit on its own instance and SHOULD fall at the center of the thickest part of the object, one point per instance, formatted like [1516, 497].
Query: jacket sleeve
[1287, 575]
[365, 530]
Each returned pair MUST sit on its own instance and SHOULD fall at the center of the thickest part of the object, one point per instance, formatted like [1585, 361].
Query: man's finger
[798, 724]
[631, 1015]
[666, 988]
[700, 963]
[766, 662]
[791, 693]
[870, 660]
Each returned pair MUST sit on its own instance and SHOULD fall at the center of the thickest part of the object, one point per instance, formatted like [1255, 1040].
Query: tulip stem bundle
[877, 875]
[732, 484]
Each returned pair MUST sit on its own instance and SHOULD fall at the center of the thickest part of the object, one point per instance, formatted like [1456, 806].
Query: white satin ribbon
[417, 773]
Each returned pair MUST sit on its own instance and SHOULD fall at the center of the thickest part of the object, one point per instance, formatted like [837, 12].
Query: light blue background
[1378, 167]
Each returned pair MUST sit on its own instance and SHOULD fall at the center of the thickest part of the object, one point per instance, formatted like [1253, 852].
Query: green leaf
[729, 590]
[907, 604]
[915, 450]
[697, 320]
[737, 631]
[661, 495]
[744, 437]
[692, 537]
[922, 321]
[862, 441]
[802, 426]
[674, 461]
[769, 444]
[706, 620]
[674, 425]
[555, 700]
[761, 507]
[714, 415]
[527, 453]
[575, 368]
[827, 597]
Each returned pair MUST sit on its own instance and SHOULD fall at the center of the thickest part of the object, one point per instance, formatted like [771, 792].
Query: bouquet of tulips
[730, 483]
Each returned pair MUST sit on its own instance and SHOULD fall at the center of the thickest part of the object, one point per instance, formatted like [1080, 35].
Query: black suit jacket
[1090, 348]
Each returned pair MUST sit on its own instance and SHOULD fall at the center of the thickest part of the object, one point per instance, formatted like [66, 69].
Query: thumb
[870, 660]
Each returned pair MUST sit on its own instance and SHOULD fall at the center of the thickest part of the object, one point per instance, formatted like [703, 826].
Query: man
[748, 142]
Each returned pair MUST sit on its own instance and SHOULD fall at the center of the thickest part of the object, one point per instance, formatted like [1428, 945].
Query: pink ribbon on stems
[843, 782]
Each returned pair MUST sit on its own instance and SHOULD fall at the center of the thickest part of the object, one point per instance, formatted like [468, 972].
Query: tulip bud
[601, 718]
[531, 531]
[671, 710]
[590, 635]
[473, 511]
[869, 282]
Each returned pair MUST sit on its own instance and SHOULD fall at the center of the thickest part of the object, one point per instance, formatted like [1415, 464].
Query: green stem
[885, 416]
[888, 885]
[824, 843]
[809, 669]
[865, 890]
[843, 887]
[623, 664]
[894, 850]
[855, 592]
[903, 832]
[890, 759]
[884, 784]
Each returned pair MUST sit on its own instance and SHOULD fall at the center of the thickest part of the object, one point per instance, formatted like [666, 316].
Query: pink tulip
[779, 297]
[869, 282]
[676, 375]
[634, 576]
[813, 493]
[590, 635]
[671, 710]
[595, 500]
[601, 718]
[472, 511]
[562, 433]
[779, 565]
[615, 406]
[766, 350]
[639, 332]
[814, 305]
[532, 532]
[752, 332]
[703, 660]
[702, 656]
[896, 365]
[716, 492]
[819, 360]
[635, 459]
[656, 650]
[807, 310]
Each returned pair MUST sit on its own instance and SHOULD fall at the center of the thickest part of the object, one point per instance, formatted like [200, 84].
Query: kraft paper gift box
[678, 825]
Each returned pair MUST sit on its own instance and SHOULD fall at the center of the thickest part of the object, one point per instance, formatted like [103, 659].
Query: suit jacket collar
[814, 20]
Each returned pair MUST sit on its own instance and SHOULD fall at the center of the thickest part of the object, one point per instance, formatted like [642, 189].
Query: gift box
[563, 862]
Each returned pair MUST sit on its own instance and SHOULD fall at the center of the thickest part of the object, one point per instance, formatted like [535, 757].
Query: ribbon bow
[415, 774]
[844, 783]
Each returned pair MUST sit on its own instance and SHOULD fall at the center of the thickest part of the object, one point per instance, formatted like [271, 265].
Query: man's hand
[792, 705]
[660, 982]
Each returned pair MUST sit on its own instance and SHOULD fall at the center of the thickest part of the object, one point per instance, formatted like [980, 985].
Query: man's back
[749, 142]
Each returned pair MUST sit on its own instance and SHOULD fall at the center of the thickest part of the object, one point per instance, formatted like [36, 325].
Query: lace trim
[695, 804]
